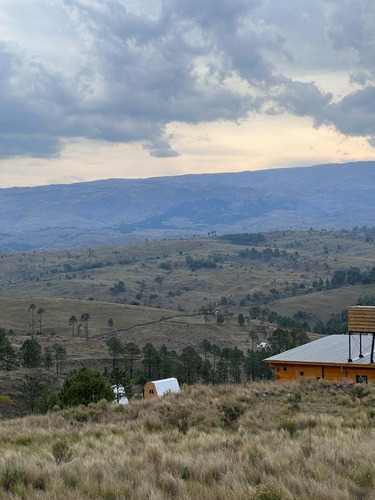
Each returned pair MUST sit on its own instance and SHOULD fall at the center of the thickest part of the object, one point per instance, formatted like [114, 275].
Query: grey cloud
[136, 73]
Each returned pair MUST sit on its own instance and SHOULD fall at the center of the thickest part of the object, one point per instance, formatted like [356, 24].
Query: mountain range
[115, 211]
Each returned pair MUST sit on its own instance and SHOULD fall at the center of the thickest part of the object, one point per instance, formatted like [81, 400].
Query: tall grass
[226, 442]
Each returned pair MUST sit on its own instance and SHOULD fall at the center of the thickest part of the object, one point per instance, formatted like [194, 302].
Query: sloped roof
[166, 385]
[329, 349]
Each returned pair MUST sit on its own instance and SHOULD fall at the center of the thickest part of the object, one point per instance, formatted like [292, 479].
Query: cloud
[122, 70]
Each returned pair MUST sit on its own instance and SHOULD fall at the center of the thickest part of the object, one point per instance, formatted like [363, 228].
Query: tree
[118, 288]
[151, 359]
[132, 353]
[206, 371]
[85, 322]
[216, 352]
[31, 353]
[31, 390]
[140, 378]
[60, 356]
[253, 336]
[85, 386]
[206, 347]
[220, 319]
[110, 322]
[72, 322]
[236, 360]
[115, 348]
[40, 313]
[8, 356]
[122, 382]
[192, 364]
[168, 361]
[241, 320]
[31, 309]
[48, 358]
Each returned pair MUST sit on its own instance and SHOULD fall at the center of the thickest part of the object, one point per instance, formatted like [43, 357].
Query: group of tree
[40, 311]
[266, 254]
[83, 323]
[194, 264]
[210, 365]
[345, 277]
[30, 355]
[245, 238]
[81, 387]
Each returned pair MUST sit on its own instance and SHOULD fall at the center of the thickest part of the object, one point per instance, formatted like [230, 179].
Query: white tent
[119, 391]
[166, 385]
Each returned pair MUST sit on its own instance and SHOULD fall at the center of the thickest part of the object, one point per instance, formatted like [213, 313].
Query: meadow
[261, 441]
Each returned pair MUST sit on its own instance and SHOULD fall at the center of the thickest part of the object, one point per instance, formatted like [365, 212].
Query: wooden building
[327, 359]
[335, 357]
[161, 387]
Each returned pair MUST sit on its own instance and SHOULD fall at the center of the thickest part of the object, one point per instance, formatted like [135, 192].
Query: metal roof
[166, 385]
[330, 349]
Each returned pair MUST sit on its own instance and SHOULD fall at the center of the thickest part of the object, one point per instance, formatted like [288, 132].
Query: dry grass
[43, 274]
[184, 446]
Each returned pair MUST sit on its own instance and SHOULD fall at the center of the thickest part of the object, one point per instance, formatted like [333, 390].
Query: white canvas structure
[166, 385]
[119, 391]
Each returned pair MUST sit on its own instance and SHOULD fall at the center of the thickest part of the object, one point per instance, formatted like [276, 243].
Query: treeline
[30, 354]
[210, 364]
[266, 254]
[298, 321]
[245, 238]
[209, 263]
[338, 323]
[343, 277]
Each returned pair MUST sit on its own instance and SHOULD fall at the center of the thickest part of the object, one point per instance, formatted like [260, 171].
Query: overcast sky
[137, 88]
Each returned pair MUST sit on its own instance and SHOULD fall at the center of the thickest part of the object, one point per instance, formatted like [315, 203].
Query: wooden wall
[150, 390]
[299, 371]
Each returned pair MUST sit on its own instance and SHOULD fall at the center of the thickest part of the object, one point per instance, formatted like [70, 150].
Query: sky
[141, 88]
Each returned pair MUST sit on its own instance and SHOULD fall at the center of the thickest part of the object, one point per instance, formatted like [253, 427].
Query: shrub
[11, 477]
[268, 491]
[180, 418]
[231, 412]
[62, 452]
[289, 426]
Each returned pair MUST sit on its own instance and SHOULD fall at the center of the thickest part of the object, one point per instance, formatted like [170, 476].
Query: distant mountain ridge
[115, 211]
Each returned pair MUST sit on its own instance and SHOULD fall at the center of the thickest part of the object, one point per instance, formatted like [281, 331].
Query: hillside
[119, 211]
[257, 442]
[167, 292]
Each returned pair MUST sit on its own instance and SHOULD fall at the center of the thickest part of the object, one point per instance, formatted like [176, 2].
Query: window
[301, 373]
[285, 368]
[361, 379]
[151, 391]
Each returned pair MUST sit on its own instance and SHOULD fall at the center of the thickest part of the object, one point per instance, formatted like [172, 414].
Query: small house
[334, 357]
[161, 387]
[328, 358]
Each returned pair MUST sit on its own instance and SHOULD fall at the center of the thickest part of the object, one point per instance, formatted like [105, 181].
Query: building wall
[150, 390]
[299, 371]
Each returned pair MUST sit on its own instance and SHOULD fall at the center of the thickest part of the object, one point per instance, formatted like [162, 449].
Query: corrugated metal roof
[166, 385]
[330, 349]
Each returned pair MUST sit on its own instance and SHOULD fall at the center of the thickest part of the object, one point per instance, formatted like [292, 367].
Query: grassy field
[155, 274]
[162, 295]
[257, 442]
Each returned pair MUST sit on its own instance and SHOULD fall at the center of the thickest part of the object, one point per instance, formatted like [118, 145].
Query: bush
[11, 477]
[62, 452]
[231, 412]
[85, 386]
